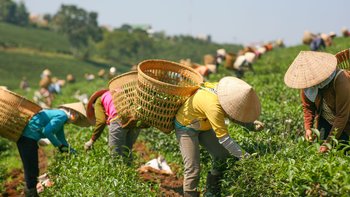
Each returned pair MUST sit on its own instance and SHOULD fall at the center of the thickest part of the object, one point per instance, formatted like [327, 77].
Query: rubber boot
[191, 194]
[213, 186]
[31, 192]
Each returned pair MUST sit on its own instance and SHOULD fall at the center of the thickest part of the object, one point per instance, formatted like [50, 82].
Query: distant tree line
[15, 13]
[126, 45]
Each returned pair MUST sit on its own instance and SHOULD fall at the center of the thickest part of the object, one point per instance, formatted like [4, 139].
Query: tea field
[282, 162]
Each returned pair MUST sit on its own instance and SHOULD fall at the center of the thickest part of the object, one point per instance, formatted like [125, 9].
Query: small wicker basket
[15, 112]
[123, 90]
[343, 58]
[163, 86]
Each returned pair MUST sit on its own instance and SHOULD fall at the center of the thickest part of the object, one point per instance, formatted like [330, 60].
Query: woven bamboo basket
[343, 58]
[123, 90]
[163, 86]
[15, 112]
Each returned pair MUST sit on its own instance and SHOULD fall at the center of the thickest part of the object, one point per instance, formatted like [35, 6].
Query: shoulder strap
[336, 76]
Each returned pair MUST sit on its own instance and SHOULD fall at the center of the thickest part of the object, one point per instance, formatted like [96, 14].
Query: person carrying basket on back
[48, 123]
[101, 111]
[201, 121]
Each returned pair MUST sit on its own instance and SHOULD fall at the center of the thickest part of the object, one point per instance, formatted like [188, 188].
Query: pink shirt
[108, 105]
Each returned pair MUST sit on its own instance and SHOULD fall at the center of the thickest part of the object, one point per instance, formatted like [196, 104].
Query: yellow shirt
[202, 111]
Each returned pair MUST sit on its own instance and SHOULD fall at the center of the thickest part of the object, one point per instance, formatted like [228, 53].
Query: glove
[232, 147]
[66, 149]
[44, 142]
[72, 151]
[88, 145]
[63, 149]
[258, 126]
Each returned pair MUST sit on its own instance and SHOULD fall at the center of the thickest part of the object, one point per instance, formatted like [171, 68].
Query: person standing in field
[201, 121]
[101, 112]
[324, 91]
[48, 123]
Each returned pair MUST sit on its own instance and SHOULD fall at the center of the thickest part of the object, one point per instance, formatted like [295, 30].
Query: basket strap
[211, 90]
[336, 76]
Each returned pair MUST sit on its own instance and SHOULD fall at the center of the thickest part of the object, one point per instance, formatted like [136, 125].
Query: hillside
[14, 65]
[282, 162]
[27, 51]
[12, 36]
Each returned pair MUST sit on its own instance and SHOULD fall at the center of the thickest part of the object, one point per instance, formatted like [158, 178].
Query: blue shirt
[48, 123]
[317, 44]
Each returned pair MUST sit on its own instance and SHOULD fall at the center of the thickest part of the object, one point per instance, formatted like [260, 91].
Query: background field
[283, 163]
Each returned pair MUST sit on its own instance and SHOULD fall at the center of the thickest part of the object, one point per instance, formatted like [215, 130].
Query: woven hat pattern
[310, 68]
[163, 86]
[78, 107]
[15, 112]
[238, 99]
[90, 112]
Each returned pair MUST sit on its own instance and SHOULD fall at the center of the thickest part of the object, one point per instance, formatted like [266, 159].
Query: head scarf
[312, 92]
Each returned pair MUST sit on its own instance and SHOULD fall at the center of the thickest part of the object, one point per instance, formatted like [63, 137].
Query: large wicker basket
[343, 58]
[15, 112]
[123, 90]
[163, 86]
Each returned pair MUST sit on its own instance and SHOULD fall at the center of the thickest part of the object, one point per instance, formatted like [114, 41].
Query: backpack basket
[343, 58]
[15, 112]
[163, 86]
[123, 90]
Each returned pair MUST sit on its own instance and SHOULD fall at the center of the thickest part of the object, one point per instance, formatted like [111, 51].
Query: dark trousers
[28, 150]
[324, 127]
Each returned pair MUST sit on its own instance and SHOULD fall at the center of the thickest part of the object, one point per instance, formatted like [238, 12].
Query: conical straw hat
[78, 107]
[310, 68]
[90, 112]
[238, 99]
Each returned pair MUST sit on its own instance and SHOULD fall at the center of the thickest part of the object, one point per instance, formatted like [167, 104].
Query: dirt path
[170, 185]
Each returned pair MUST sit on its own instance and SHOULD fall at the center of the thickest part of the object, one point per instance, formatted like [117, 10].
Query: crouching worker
[101, 112]
[48, 123]
[201, 121]
[324, 94]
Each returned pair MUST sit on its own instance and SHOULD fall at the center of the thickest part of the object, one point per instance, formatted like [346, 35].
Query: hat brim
[78, 107]
[310, 68]
[90, 111]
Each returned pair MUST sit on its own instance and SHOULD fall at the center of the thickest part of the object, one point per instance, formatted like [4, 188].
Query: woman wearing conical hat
[48, 123]
[201, 121]
[324, 94]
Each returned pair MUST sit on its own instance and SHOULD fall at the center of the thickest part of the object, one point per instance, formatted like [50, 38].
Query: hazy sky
[227, 21]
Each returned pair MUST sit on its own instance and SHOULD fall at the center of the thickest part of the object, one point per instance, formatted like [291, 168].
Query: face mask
[312, 92]
[72, 115]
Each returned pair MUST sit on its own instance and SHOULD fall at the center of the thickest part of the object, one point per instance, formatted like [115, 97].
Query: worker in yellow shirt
[201, 121]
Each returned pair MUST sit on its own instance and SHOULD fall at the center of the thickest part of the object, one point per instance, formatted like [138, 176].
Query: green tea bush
[93, 173]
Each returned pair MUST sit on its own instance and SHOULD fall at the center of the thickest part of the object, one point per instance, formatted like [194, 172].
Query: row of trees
[80, 26]
[14, 13]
